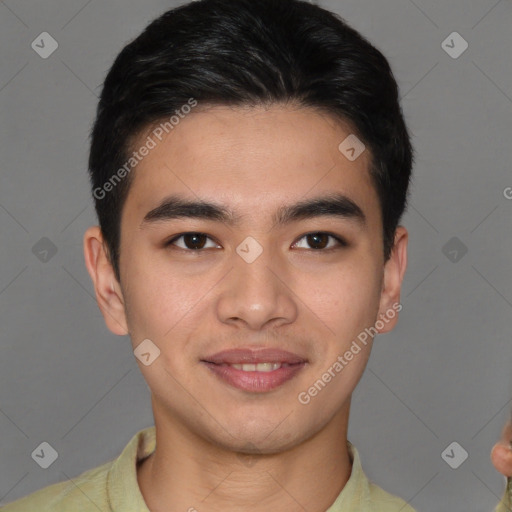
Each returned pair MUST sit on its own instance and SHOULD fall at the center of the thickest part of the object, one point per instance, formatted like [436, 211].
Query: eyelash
[340, 241]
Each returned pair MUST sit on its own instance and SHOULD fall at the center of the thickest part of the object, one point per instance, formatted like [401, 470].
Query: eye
[320, 241]
[195, 241]
[192, 241]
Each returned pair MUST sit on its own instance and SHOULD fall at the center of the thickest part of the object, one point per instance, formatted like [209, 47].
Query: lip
[254, 381]
[247, 355]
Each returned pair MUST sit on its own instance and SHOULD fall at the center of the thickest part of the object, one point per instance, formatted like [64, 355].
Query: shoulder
[505, 503]
[368, 496]
[85, 493]
[92, 490]
[386, 502]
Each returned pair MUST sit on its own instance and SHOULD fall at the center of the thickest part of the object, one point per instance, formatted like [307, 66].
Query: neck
[189, 473]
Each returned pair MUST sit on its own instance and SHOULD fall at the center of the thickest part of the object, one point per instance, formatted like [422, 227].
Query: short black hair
[248, 53]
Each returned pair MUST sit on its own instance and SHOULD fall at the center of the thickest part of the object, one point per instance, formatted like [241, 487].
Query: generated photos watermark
[156, 136]
[304, 397]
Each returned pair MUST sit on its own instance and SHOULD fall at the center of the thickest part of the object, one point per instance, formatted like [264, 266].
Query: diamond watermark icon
[454, 45]
[146, 352]
[45, 455]
[454, 249]
[351, 148]
[249, 250]
[44, 250]
[44, 45]
[249, 459]
[454, 455]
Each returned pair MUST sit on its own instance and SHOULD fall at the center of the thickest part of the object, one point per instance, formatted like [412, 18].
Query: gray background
[443, 375]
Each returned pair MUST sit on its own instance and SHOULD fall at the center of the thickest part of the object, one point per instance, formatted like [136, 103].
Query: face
[254, 269]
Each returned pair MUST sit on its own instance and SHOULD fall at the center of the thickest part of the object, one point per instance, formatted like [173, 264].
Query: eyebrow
[331, 205]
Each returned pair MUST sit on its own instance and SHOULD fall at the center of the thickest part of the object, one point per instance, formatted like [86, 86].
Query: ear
[394, 270]
[501, 454]
[501, 457]
[108, 291]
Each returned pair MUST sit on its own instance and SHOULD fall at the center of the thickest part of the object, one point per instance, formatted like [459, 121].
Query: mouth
[259, 367]
[255, 371]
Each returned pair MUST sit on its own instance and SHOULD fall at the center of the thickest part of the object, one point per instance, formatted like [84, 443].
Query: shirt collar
[123, 489]
[124, 493]
[356, 493]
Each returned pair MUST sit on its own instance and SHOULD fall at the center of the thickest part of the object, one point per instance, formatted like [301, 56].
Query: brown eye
[318, 240]
[191, 241]
[321, 240]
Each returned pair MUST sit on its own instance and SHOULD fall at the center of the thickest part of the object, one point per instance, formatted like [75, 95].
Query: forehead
[252, 159]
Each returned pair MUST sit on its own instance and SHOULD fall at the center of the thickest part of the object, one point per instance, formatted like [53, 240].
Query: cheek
[160, 300]
[347, 300]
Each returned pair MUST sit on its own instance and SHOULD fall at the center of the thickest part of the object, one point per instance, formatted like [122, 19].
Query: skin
[293, 296]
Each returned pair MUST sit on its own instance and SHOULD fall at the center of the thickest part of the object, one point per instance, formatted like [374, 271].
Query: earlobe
[108, 293]
[394, 271]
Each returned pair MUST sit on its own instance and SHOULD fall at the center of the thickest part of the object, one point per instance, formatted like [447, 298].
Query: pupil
[317, 239]
[191, 241]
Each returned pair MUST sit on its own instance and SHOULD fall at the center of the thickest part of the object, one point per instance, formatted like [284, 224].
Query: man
[250, 166]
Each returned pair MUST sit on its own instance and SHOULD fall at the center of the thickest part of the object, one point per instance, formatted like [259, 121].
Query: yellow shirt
[113, 487]
[505, 504]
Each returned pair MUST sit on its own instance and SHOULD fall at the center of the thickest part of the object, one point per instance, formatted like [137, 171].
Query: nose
[258, 293]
